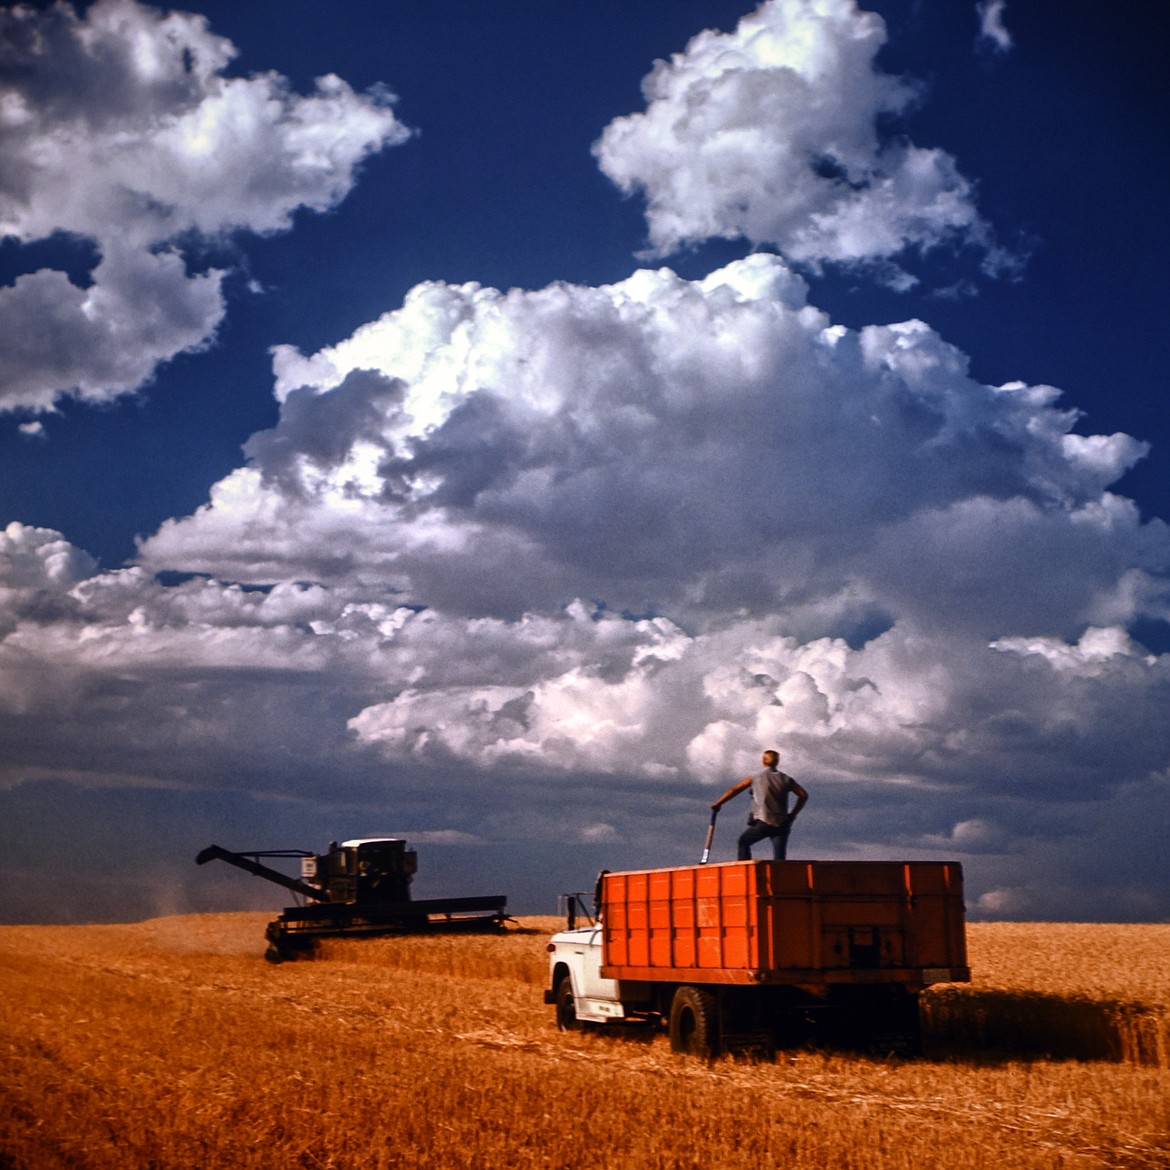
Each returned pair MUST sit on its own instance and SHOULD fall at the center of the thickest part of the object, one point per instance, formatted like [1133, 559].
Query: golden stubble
[171, 1043]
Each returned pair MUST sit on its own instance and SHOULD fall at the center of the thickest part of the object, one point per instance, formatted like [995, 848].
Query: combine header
[359, 887]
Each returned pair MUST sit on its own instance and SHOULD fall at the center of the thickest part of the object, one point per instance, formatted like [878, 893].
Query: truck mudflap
[598, 1011]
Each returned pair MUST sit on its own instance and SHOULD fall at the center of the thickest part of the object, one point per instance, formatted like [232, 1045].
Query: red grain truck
[749, 955]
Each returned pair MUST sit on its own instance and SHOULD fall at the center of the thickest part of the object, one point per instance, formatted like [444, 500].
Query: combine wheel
[694, 1023]
[276, 952]
[566, 1008]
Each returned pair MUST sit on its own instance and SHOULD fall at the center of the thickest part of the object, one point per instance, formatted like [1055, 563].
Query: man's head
[771, 758]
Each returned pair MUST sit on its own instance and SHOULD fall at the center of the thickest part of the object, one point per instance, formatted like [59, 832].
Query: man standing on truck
[769, 816]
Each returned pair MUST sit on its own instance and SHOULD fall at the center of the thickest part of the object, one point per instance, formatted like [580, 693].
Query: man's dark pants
[760, 831]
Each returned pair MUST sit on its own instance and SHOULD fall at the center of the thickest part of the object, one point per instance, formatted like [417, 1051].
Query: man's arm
[801, 797]
[734, 790]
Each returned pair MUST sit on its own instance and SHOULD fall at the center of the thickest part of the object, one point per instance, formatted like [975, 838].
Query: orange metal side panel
[937, 935]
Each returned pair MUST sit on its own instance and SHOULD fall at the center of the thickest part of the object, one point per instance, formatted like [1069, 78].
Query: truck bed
[801, 923]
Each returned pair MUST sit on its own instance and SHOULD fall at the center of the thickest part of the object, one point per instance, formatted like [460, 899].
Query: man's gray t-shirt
[770, 790]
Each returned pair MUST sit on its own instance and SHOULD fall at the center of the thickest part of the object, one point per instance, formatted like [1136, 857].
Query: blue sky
[529, 576]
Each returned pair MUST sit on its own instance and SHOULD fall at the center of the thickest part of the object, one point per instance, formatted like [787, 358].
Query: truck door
[592, 984]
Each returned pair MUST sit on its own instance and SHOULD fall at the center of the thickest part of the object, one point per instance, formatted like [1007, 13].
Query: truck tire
[896, 1027]
[566, 1007]
[694, 1023]
[883, 1021]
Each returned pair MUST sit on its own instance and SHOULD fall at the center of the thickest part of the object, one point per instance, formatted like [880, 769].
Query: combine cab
[359, 887]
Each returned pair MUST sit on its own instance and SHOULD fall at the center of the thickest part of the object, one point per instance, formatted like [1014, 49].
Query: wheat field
[171, 1044]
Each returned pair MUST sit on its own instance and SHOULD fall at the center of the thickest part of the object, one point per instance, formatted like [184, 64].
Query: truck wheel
[694, 1023]
[566, 1008]
[896, 1028]
[883, 1021]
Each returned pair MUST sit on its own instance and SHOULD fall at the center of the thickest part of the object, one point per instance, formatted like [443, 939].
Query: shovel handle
[710, 835]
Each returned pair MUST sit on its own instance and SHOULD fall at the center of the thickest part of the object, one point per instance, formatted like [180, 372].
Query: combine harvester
[359, 887]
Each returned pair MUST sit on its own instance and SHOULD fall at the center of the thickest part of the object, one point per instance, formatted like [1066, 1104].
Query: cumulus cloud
[993, 33]
[785, 532]
[121, 127]
[865, 554]
[889, 711]
[699, 448]
[112, 678]
[771, 133]
[915, 740]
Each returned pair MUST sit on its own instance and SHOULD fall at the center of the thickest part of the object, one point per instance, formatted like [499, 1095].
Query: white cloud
[35, 559]
[114, 675]
[1003, 903]
[914, 584]
[702, 448]
[599, 833]
[992, 31]
[108, 339]
[1097, 651]
[770, 133]
[122, 128]
[863, 549]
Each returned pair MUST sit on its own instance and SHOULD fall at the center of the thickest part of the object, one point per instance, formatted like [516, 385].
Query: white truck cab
[576, 987]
